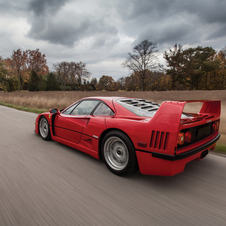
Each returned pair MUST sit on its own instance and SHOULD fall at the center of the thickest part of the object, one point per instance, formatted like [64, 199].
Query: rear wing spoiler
[168, 116]
[169, 113]
[211, 107]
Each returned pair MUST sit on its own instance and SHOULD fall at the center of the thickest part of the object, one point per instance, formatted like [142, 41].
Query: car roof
[107, 99]
[138, 103]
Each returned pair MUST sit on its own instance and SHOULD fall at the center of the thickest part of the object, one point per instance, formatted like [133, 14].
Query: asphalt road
[46, 183]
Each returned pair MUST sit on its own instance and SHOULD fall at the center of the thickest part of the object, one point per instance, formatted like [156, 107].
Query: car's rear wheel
[118, 153]
[44, 128]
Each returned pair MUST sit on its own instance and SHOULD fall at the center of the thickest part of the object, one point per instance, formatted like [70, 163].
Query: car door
[97, 122]
[70, 123]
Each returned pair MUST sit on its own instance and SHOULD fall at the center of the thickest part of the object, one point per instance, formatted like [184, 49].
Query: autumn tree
[37, 61]
[142, 59]
[22, 63]
[120, 83]
[217, 78]
[132, 82]
[19, 59]
[106, 83]
[3, 73]
[155, 80]
[158, 81]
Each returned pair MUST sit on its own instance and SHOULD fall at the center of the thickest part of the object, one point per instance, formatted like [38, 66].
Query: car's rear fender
[167, 123]
[107, 131]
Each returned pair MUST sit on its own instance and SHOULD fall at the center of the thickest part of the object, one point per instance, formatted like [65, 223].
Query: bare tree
[71, 73]
[82, 72]
[62, 70]
[74, 68]
[142, 59]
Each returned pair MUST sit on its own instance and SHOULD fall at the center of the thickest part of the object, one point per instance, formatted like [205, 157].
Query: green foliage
[42, 83]
[12, 84]
[34, 81]
[196, 63]
[92, 84]
[7, 83]
[190, 67]
[51, 82]
[174, 59]
[68, 88]
[74, 88]
[90, 88]
[3, 73]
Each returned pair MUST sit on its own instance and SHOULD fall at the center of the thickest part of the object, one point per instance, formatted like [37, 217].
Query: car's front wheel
[44, 128]
[118, 153]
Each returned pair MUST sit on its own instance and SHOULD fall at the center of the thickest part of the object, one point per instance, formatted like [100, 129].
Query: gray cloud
[101, 32]
[67, 30]
[220, 32]
[172, 21]
[43, 7]
[162, 21]
[5, 6]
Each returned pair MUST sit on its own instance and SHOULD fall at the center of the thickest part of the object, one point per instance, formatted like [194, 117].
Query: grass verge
[35, 110]
[221, 148]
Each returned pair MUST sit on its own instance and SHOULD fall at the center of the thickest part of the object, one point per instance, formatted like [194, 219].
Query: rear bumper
[169, 165]
[189, 153]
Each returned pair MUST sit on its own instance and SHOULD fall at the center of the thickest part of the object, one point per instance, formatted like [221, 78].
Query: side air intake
[159, 140]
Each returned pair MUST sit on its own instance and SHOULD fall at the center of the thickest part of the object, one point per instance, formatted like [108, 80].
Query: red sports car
[130, 132]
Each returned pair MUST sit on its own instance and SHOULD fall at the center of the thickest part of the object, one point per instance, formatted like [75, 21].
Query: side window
[69, 110]
[104, 110]
[85, 107]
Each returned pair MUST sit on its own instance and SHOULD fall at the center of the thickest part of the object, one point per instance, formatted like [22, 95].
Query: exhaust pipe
[204, 154]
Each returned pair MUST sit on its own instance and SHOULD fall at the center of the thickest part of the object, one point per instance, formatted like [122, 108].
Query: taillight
[215, 126]
[188, 137]
[181, 138]
[218, 124]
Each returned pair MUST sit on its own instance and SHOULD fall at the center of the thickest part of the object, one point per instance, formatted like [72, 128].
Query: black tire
[118, 153]
[43, 127]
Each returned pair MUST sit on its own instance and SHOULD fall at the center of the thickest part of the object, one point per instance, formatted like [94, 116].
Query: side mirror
[54, 110]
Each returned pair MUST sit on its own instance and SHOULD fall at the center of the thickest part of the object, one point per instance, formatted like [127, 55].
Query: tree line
[187, 69]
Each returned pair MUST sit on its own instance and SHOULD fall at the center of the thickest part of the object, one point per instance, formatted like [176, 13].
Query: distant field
[59, 99]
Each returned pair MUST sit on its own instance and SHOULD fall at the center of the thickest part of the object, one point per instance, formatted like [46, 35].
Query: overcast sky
[100, 33]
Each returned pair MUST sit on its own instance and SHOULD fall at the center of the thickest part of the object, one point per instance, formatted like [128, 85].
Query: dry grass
[59, 99]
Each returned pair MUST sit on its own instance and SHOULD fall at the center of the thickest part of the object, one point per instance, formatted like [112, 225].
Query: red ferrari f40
[128, 133]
